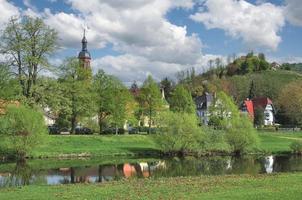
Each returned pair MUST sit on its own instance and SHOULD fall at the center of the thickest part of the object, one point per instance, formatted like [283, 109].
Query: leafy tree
[259, 116]
[24, 128]
[179, 133]
[9, 88]
[150, 100]
[27, 42]
[75, 83]
[181, 101]
[252, 92]
[290, 102]
[113, 100]
[167, 85]
[240, 133]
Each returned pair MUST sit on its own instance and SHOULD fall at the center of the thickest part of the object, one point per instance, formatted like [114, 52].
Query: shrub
[179, 132]
[296, 146]
[23, 128]
[241, 135]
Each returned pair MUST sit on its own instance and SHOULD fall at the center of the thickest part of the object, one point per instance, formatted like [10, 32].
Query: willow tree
[26, 43]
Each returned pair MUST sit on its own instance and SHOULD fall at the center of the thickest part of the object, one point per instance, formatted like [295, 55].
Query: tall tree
[27, 42]
[181, 101]
[76, 84]
[150, 100]
[290, 101]
[167, 85]
[111, 99]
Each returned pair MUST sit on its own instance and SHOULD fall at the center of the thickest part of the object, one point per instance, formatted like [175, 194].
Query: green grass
[131, 145]
[278, 186]
[95, 146]
[278, 142]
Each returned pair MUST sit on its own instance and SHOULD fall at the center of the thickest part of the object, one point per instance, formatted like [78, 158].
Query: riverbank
[75, 146]
[204, 187]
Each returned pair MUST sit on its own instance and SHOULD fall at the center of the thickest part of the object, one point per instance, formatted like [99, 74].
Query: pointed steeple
[84, 55]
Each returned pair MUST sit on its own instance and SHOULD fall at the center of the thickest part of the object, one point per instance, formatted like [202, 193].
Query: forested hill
[297, 67]
[246, 77]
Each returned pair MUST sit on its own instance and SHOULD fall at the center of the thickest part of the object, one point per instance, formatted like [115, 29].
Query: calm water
[81, 171]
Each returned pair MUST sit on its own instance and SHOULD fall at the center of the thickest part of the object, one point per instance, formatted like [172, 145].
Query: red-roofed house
[250, 106]
[267, 105]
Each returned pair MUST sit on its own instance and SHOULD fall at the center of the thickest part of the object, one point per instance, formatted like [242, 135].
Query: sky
[132, 39]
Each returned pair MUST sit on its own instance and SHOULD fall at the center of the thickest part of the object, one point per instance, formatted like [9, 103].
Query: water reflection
[24, 174]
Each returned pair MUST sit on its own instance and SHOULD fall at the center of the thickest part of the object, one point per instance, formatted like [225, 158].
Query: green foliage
[181, 101]
[247, 64]
[150, 100]
[76, 87]
[9, 87]
[111, 100]
[23, 128]
[179, 132]
[28, 42]
[296, 146]
[290, 102]
[259, 116]
[240, 133]
[292, 67]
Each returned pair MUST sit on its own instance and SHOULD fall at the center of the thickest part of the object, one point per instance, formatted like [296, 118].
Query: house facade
[203, 104]
[264, 103]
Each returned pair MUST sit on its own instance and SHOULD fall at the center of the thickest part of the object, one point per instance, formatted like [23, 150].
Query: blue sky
[134, 38]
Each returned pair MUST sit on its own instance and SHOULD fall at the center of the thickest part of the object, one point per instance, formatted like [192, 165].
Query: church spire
[84, 55]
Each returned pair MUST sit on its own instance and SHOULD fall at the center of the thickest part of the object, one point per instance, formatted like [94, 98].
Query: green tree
[290, 102]
[181, 101]
[111, 100]
[75, 83]
[179, 133]
[240, 133]
[150, 100]
[259, 116]
[167, 85]
[27, 42]
[9, 87]
[24, 128]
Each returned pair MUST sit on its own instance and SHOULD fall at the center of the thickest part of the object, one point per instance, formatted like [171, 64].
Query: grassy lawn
[278, 186]
[95, 145]
[278, 142]
[129, 145]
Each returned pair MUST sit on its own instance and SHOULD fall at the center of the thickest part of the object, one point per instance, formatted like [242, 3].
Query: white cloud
[131, 68]
[293, 12]
[257, 25]
[8, 10]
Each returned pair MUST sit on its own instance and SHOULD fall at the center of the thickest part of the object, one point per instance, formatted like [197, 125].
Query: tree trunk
[150, 120]
[116, 130]
[73, 124]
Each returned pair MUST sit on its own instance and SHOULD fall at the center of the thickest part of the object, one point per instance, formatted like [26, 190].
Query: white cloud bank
[150, 44]
[258, 25]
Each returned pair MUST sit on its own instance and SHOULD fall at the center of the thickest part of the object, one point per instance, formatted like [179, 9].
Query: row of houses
[249, 107]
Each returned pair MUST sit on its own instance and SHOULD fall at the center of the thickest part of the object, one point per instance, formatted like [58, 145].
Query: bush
[179, 133]
[23, 128]
[241, 135]
[296, 146]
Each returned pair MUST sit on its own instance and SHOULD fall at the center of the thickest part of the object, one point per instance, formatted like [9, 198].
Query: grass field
[278, 186]
[123, 145]
[130, 145]
[278, 142]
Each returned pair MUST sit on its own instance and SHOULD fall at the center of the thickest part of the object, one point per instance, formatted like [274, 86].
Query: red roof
[261, 102]
[249, 108]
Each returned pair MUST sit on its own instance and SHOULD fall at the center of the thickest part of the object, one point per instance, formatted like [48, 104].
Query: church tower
[84, 55]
